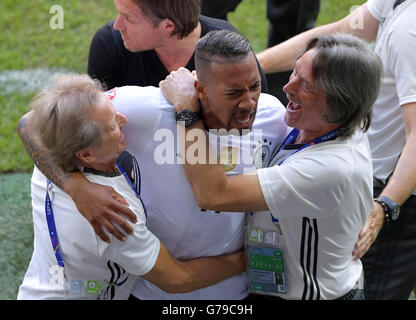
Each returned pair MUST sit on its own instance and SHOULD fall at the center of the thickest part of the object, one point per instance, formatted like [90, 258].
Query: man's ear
[200, 89]
[167, 26]
[85, 156]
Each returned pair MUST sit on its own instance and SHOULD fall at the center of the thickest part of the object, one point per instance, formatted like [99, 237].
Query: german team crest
[111, 93]
[229, 158]
[261, 157]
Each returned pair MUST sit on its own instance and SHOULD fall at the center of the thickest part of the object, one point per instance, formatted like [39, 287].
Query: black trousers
[287, 18]
[353, 294]
[390, 264]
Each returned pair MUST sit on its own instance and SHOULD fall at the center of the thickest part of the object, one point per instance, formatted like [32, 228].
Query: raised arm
[212, 188]
[174, 276]
[399, 187]
[281, 57]
[100, 205]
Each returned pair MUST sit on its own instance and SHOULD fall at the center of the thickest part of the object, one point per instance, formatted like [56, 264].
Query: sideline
[26, 81]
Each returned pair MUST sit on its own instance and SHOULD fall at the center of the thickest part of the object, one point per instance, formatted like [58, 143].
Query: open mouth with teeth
[244, 120]
[293, 107]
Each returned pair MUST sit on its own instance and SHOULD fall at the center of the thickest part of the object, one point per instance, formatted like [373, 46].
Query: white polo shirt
[322, 196]
[396, 46]
[86, 257]
[173, 215]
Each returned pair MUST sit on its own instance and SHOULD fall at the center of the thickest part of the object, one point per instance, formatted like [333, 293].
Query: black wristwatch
[391, 208]
[187, 117]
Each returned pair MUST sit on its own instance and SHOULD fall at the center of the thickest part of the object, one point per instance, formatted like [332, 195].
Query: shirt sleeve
[401, 46]
[375, 7]
[139, 253]
[306, 184]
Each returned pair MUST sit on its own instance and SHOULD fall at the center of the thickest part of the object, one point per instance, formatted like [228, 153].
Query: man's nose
[291, 85]
[119, 23]
[248, 102]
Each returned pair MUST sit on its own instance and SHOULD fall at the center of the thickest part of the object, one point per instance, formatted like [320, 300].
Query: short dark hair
[350, 72]
[183, 13]
[221, 46]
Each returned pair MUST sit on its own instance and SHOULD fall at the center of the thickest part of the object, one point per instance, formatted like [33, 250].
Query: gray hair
[62, 117]
[220, 46]
[350, 72]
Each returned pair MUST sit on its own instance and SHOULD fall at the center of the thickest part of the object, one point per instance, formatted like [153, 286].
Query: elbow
[211, 197]
[209, 201]
[22, 127]
[170, 288]
[176, 284]
[175, 290]
[202, 201]
[210, 193]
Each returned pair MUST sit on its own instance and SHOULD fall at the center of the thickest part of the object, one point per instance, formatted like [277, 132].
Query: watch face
[391, 208]
[395, 214]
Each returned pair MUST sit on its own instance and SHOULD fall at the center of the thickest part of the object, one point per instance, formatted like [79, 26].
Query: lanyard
[294, 134]
[132, 187]
[51, 220]
[52, 228]
[292, 137]
[119, 167]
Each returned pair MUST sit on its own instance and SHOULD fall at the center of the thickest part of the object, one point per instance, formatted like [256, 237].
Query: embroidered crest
[261, 157]
[229, 158]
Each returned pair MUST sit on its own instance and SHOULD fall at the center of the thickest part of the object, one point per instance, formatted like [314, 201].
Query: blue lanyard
[132, 187]
[119, 167]
[52, 228]
[292, 137]
[51, 220]
[294, 134]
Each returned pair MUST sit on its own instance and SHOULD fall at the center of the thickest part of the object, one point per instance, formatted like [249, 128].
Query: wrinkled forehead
[104, 110]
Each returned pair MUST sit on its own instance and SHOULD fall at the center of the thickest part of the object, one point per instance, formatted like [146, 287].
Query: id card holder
[85, 289]
[265, 262]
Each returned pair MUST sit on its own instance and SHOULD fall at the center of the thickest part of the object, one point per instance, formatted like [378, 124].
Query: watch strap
[388, 201]
[187, 117]
[391, 208]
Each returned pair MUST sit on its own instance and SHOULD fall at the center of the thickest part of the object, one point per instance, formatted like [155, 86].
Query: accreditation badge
[85, 289]
[265, 262]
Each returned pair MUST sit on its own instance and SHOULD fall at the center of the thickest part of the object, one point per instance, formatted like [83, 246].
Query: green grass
[16, 232]
[12, 106]
[31, 43]
[28, 42]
